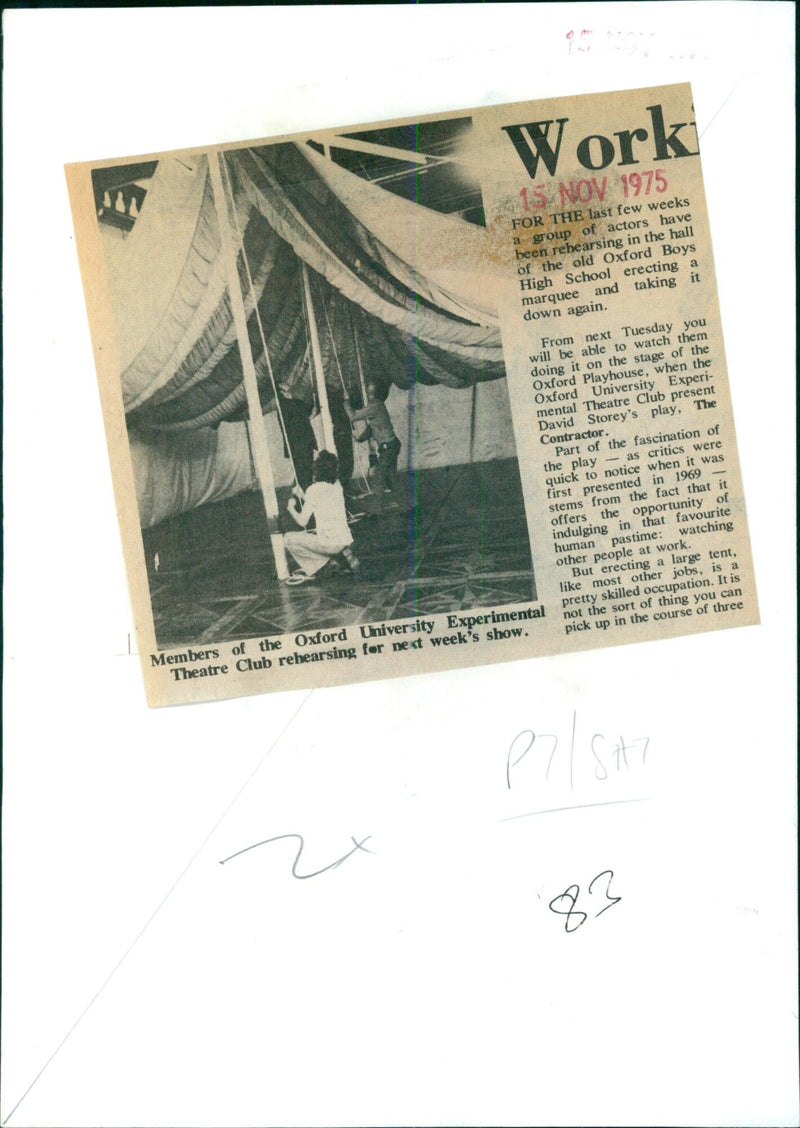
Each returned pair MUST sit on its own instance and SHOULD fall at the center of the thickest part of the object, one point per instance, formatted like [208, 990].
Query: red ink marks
[635, 182]
[628, 44]
[579, 41]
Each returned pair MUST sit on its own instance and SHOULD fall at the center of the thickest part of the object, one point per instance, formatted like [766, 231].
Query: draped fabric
[379, 315]
[177, 471]
[426, 249]
[174, 473]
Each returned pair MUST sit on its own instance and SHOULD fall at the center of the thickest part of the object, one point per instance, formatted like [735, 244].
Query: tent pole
[472, 421]
[361, 379]
[256, 431]
[319, 372]
[363, 385]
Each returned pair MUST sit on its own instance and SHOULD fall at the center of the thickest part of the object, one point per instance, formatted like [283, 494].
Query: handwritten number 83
[565, 903]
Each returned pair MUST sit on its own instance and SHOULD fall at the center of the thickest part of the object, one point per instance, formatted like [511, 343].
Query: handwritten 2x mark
[301, 843]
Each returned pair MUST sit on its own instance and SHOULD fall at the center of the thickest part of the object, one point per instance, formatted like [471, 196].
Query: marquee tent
[387, 289]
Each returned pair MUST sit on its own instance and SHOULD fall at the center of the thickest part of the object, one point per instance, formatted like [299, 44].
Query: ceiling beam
[339, 142]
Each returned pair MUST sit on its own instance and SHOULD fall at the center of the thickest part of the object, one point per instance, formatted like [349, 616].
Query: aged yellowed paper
[415, 395]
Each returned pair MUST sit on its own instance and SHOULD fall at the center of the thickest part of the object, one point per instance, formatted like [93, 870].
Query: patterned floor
[456, 540]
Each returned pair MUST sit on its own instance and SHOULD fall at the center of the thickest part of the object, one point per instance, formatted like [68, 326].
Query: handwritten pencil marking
[301, 843]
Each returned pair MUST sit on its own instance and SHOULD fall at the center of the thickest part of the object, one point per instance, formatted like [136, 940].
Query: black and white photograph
[313, 384]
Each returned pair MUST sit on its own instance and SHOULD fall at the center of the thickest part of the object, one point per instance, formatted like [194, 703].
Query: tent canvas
[396, 293]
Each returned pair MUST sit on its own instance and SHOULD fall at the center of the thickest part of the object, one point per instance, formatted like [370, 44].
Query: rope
[226, 174]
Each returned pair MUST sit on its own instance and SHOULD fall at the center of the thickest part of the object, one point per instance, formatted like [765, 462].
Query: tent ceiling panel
[379, 307]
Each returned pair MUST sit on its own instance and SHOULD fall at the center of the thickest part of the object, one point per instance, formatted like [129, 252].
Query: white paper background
[428, 983]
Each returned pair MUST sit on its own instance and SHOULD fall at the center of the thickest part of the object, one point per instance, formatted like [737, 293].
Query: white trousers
[310, 551]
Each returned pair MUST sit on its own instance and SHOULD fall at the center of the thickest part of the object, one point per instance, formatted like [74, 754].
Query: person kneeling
[324, 501]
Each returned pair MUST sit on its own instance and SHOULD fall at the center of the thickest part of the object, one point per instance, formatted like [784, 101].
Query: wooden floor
[456, 539]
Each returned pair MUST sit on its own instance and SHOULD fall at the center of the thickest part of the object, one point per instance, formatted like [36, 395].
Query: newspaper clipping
[415, 395]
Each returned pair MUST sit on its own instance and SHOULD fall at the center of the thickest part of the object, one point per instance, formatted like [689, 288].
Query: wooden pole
[258, 437]
[361, 379]
[319, 371]
[361, 455]
[473, 414]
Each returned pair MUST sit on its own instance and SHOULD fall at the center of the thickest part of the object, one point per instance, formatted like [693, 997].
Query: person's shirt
[377, 415]
[325, 501]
